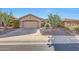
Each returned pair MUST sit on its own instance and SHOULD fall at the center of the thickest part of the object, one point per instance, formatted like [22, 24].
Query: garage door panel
[30, 25]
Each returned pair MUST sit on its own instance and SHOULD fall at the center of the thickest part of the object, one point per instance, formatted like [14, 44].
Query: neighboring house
[31, 21]
[70, 22]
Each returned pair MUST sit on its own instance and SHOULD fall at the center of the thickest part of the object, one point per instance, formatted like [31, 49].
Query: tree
[54, 20]
[57, 20]
[50, 18]
[5, 19]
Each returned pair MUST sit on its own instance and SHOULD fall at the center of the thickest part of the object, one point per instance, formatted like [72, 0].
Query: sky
[72, 13]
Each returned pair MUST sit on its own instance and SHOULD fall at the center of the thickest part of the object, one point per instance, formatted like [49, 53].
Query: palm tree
[5, 19]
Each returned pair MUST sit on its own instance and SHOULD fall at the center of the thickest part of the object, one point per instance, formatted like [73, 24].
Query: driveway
[19, 32]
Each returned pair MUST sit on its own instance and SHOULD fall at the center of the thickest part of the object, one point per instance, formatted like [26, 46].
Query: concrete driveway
[19, 32]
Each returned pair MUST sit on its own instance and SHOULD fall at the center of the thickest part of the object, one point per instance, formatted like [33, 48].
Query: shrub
[16, 24]
[47, 25]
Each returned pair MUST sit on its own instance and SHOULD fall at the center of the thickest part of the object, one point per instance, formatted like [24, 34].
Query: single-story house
[30, 21]
[70, 22]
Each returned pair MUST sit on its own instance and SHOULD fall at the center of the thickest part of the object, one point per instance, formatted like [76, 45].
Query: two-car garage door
[30, 24]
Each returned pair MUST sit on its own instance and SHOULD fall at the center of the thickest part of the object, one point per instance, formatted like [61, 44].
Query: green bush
[16, 24]
[47, 25]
